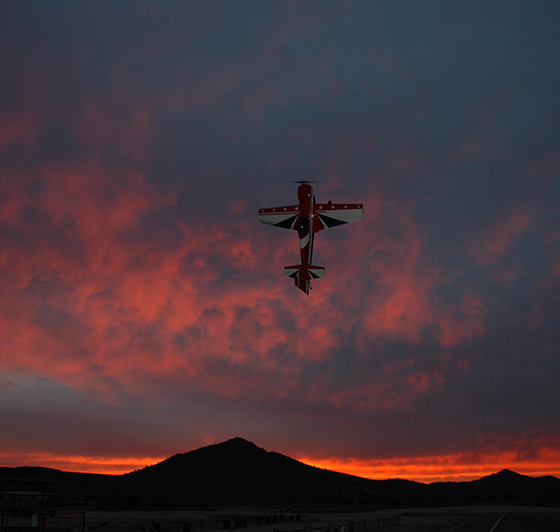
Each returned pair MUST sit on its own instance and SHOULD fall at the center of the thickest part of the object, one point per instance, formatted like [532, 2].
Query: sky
[143, 307]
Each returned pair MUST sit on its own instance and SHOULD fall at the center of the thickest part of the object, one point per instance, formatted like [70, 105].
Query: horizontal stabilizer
[292, 271]
[316, 271]
[305, 272]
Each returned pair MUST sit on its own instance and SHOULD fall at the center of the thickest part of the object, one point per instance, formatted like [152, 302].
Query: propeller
[305, 182]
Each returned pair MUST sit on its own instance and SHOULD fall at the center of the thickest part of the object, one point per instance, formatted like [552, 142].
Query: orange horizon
[419, 469]
[426, 470]
[79, 464]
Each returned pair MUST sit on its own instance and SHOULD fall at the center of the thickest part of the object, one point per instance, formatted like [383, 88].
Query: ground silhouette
[238, 472]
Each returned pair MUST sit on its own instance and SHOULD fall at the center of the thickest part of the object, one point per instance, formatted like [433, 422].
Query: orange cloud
[402, 301]
[110, 288]
[91, 291]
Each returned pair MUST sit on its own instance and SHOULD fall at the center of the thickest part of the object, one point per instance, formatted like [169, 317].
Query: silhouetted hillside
[505, 487]
[239, 472]
[63, 489]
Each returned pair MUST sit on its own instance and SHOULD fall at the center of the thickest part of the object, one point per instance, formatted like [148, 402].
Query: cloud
[88, 291]
[499, 236]
[135, 278]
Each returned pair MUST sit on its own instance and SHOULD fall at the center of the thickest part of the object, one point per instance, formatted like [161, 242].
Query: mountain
[505, 487]
[238, 472]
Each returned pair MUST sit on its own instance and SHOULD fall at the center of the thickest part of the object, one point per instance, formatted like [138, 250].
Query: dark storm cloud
[137, 141]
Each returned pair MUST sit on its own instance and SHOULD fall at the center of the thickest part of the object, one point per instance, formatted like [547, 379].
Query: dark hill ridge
[505, 487]
[239, 472]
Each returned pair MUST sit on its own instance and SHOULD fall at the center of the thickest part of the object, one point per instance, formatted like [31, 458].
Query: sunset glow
[79, 464]
[454, 468]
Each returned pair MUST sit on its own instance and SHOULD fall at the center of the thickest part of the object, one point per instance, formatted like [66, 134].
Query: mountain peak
[509, 473]
[238, 443]
[505, 475]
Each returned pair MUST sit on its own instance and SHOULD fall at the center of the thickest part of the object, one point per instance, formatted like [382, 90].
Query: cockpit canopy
[303, 226]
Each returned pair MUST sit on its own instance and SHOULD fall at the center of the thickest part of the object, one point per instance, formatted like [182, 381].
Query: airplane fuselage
[307, 218]
[305, 223]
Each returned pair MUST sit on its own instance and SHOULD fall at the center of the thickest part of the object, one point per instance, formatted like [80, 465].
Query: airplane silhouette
[307, 218]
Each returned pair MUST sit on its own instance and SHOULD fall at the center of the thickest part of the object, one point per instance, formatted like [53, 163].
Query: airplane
[308, 218]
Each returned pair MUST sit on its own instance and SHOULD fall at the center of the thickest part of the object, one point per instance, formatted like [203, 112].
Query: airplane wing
[280, 216]
[333, 214]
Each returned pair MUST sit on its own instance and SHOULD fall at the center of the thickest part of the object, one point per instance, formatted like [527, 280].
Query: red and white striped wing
[280, 216]
[333, 214]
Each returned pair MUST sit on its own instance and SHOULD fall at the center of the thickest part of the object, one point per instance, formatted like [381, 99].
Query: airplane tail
[302, 275]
